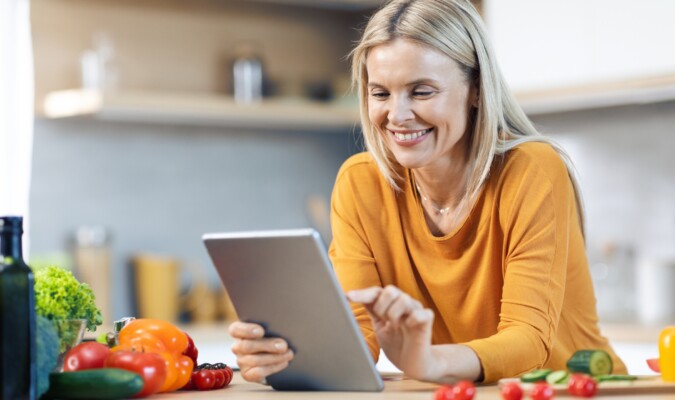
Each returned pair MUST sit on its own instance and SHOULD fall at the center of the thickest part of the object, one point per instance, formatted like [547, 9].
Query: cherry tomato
[444, 393]
[541, 391]
[511, 391]
[191, 350]
[150, 366]
[653, 364]
[574, 378]
[203, 379]
[582, 386]
[87, 355]
[229, 374]
[219, 376]
[463, 390]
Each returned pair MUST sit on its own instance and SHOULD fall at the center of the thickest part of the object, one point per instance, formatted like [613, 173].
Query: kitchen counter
[396, 387]
[633, 342]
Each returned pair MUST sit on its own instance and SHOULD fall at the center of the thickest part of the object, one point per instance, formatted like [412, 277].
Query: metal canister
[247, 75]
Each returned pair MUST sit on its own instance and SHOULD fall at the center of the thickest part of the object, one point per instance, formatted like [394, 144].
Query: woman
[458, 236]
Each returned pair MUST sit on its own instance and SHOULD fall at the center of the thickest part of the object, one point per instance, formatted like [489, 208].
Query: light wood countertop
[396, 388]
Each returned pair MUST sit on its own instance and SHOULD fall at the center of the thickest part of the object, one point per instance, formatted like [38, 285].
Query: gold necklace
[439, 210]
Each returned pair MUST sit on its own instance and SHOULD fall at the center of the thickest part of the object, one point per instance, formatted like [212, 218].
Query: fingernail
[257, 331]
[278, 345]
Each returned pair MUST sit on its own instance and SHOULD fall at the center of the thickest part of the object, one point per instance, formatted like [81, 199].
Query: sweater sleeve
[350, 253]
[537, 212]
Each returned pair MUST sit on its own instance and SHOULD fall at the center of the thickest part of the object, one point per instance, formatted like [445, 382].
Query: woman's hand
[257, 356]
[403, 328]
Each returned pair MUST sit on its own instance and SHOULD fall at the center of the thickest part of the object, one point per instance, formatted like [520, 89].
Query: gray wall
[159, 188]
[625, 161]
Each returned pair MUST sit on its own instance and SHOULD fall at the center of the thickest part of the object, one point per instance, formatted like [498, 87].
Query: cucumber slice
[593, 362]
[537, 375]
[611, 377]
[557, 377]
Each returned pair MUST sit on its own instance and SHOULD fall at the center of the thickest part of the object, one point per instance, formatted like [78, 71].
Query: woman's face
[420, 100]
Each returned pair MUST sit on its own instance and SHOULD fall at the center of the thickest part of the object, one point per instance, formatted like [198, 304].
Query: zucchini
[557, 377]
[94, 384]
[614, 378]
[593, 362]
[537, 375]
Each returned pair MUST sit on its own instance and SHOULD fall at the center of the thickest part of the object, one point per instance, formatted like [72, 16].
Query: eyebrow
[420, 81]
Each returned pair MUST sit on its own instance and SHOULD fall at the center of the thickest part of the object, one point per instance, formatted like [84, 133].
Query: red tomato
[150, 366]
[511, 391]
[87, 355]
[654, 364]
[582, 386]
[541, 391]
[463, 390]
[229, 374]
[219, 377]
[191, 350]
[444, 393]
[203, 379]
[574, 378]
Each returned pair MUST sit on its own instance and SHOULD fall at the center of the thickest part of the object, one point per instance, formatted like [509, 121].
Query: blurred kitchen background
[140, 145]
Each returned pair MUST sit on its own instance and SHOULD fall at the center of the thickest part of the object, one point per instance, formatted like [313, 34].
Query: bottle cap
[11, 224]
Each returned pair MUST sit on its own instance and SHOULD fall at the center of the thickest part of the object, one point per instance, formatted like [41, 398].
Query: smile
[411, 135]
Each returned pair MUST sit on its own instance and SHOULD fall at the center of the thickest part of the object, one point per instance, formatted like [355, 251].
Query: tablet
[284, 281]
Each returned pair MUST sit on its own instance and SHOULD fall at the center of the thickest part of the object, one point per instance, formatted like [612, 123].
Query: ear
[475, 95]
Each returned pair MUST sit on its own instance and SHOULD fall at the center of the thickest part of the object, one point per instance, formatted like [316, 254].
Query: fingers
[364, 296]
[420, 317]
[390, 306]
[246, 330]
[257, 356]
[258, 370]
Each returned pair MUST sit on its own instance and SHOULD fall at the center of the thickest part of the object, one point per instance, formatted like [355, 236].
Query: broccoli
[59, 296]
[47, 344]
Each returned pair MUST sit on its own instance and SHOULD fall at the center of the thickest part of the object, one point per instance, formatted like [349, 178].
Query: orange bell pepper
[161, 337]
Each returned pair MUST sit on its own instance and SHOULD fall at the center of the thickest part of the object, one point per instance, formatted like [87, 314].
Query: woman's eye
[379, 95]
[422, 93]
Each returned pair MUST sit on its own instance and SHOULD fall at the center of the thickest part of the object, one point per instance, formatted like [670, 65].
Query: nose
[400, 110]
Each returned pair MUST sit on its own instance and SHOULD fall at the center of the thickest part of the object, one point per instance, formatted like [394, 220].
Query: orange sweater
[512, 282]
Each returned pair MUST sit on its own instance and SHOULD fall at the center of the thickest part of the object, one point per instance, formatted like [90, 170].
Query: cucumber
[537, 375]
[557, 377]
[593, 362]
[614, 378]
[94, 384]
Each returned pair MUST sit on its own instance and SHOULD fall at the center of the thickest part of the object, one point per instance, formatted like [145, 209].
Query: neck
[444, 188]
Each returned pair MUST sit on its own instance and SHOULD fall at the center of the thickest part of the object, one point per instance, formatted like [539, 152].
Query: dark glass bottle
[17, 314]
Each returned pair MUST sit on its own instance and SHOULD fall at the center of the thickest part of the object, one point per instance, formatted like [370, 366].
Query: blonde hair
[454, 28]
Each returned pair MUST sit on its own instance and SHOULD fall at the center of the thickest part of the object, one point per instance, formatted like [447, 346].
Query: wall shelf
[202, 109]
[642, 90]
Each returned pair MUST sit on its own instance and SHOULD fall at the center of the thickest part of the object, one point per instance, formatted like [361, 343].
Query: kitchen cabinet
[577, 54]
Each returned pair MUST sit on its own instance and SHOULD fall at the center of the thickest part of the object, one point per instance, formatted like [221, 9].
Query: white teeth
[411, 136]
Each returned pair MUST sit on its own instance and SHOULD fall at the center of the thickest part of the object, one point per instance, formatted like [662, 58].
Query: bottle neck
[11, 229]
[10, 245]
